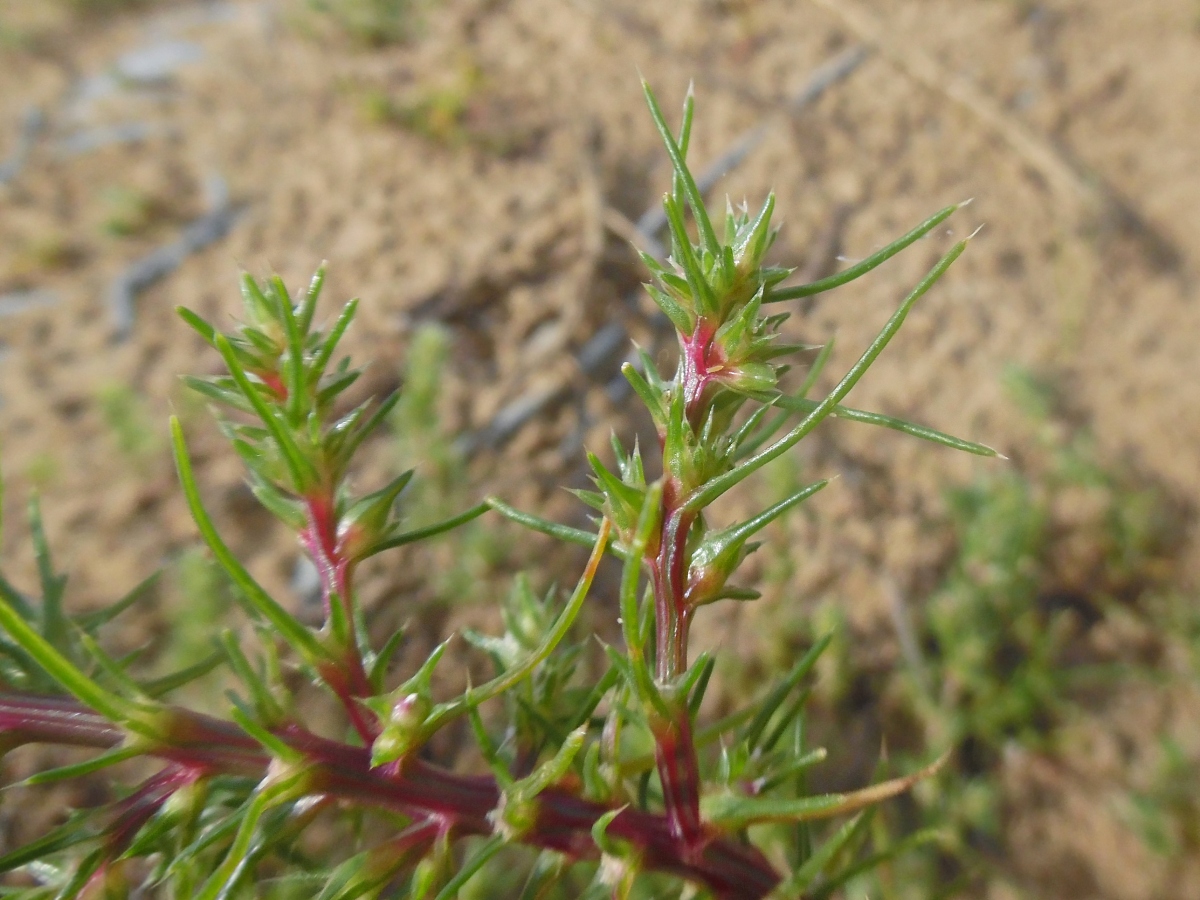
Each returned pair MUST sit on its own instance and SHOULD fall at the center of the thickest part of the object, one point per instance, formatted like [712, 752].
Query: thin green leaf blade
[719, 485]
[871, 262]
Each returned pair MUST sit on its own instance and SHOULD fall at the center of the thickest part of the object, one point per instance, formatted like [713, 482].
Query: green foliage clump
[373, 23]
[129, 212]
[467, 556]
[102, 7]
[999, 654]
[130, 423]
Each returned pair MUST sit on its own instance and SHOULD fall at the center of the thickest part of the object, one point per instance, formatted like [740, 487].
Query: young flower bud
[403, 731]
[369, 520]
[712, 564]
[517, 812]
[750, 378]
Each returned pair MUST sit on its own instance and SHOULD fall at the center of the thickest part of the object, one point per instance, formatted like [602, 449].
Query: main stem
[349, 679]
[674, 746]
[201, 746]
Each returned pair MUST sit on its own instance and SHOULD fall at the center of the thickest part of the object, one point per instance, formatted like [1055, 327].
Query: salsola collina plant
[601, 786]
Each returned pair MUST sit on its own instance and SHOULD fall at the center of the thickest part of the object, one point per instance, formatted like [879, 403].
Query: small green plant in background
[100, 7]
[999, 651]
[1009, 606]
[422, 441]
[43, 470]
[203, 596]
[593, 773]
[373, 23]
[1165, 812]
[455, 109]
[440, 112]
[41, 254]
[467, 556]
[131, 423]
[129, 211]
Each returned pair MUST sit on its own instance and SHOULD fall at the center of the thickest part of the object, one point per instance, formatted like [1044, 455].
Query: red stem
[729, 869]
[675, 749]
[137, 809]
[699, 357]
[320, 540]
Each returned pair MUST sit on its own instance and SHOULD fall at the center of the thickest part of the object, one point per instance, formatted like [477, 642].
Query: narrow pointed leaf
[87, 767]
[708, 237]
[420, 534]
[287, 509]
[552, 639]
[641, 387]
[335, 335]
[785, 720]
[588, 705]
[871, 262]
[734, 812]
[700, 289]
[875, 860]
[278, 748]
[159, 687]
[92, 621]
[932, 435]
[255, 595]
[114, 670]
[817, 367]
[15, 598]
[309, 305]
[719, 485]
[299, 468]
[233, 867]
[767, 707]
[257, 304]
[84, 689]
[679, 316]
[295, 354]
[55, 623]
[71, 832]
[756, 234]
[813, 867]
[356, 437]
[473, 864]
[265, 704]
[545, 526]
[337, 384]
[719, 542]
[648, 518]
[794, 767]
[382, 659]
[198, 324]
[696, 691]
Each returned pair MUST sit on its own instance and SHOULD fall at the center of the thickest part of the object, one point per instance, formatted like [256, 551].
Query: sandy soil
[1072, 123]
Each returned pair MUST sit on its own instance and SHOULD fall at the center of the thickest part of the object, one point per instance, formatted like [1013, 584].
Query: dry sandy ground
[1074, 125]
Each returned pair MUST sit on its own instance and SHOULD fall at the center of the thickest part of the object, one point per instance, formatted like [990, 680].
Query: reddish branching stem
[139, 807]
[439, 801]
[700, 357]
[675, 749]
[321, 541]
[319, 538]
